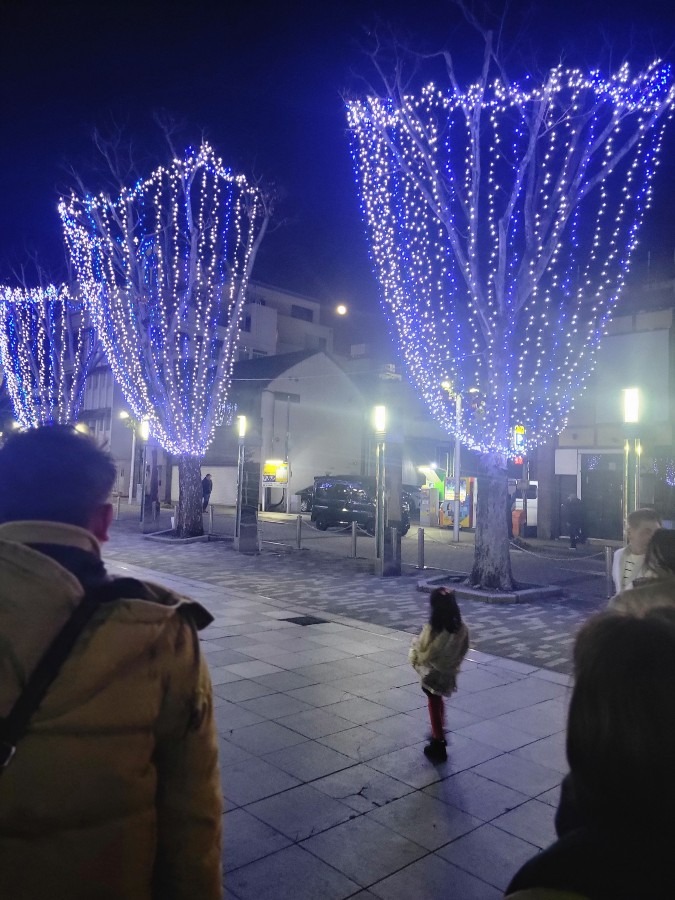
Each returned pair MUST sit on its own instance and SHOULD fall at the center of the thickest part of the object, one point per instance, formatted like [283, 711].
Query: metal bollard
[609, 558]
[420, 548]
[298, 532]
[354, 527]
[210, 519]
[118, 507]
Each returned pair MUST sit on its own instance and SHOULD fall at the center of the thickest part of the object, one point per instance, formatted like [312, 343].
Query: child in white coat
[436, 656]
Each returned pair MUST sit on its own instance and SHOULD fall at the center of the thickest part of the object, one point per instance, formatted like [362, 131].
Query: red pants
[436, 715]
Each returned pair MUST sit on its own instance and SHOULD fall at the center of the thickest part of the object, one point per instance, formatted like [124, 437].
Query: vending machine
[429, 500]
[467, 503]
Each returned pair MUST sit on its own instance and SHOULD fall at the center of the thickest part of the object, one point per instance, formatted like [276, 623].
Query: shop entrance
[602, 494]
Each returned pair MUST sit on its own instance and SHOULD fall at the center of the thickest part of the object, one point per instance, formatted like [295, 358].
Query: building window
[256, 354]
[246, 326]
[302, 312]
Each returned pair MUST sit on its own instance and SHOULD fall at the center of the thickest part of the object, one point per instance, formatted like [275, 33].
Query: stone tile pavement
[322, 723]
[536, 633]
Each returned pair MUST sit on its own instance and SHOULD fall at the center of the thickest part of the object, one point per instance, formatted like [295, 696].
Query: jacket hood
[38, 595]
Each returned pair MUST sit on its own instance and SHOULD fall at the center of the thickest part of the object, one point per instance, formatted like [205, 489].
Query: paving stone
[248, 839]
[439, 878]
[300, 812]
[489, 853]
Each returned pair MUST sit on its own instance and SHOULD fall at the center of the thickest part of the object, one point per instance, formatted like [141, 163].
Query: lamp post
[125, 415]
[456, 460]
[144, 432]
[241, 431]
[380, 425]
[632, 450]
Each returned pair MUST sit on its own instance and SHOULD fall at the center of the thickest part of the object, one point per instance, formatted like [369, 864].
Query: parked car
[306, 498]
[341, 499]
[532, 496]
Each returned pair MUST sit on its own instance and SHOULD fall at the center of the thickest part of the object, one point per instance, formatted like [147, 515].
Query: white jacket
[617, 571]
[437, 657]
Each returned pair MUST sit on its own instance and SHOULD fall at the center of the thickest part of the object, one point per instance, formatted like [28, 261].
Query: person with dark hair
[620, 749]
[436, 656]
[109, 781]
[660, 555]
[575, 518]
[656, 585]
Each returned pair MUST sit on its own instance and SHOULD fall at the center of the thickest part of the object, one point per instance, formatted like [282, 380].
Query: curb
[464, 592]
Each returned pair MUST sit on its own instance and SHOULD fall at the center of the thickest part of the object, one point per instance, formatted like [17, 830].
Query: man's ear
[100, 521]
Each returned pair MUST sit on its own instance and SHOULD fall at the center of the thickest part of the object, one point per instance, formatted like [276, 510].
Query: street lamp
[380, 426]
[241, 432]
[457, 397]
[632, 450]
[125, 415]
[144, 432]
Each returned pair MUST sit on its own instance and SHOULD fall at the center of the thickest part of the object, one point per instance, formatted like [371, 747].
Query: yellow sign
[275, 471]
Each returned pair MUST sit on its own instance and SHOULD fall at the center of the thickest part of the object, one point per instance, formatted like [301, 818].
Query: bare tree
[47, 349]
[502, 218]
[164, 269]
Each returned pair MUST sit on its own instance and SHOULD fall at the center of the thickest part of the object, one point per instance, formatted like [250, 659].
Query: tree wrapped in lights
[164, 269]
[502, 218]
[47, 348]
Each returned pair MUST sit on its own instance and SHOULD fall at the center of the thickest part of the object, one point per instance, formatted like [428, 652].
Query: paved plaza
[322, 724]
[536, 633]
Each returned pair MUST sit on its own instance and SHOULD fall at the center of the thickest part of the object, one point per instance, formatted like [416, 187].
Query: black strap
[15, 725]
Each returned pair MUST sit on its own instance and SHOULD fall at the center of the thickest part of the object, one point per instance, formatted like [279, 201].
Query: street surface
[322, 576]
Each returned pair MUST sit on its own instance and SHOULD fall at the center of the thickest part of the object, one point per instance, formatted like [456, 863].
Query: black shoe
[436, 751]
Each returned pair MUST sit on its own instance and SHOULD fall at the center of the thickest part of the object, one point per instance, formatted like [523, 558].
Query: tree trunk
[492, 562]
[189, 522]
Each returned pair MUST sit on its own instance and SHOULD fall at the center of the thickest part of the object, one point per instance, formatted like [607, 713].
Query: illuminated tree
[502, 218]
[47, 348]
[164, 270]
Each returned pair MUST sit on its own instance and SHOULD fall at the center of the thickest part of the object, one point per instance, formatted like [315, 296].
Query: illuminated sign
[275, 471]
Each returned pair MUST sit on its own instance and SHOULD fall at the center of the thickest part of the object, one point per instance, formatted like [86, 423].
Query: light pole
[144, 431]
[632, 450]
[456, 460]
[456, 467]
[380, 425]
[241, 431]
[125, 415]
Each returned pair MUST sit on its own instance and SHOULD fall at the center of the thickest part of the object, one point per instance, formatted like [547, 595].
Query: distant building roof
[267, 368]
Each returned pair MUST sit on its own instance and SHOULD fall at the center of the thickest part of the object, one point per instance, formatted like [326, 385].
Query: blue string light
[502, 220]
[46, 349]
[164, 269]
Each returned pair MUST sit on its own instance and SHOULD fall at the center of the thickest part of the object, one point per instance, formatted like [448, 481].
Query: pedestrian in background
[109, 787]
[617, 840]
[574, 516]
[436, 656]
[629, 561]
[207, 487]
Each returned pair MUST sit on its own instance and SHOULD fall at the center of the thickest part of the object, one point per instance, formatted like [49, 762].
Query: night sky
[265, 84]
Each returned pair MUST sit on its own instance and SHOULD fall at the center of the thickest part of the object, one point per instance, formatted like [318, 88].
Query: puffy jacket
[114, 792]
[437, 657]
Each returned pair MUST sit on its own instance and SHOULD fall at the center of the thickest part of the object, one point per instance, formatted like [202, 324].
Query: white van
[532, 491]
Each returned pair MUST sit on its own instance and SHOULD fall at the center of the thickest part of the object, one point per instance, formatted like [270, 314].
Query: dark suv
[341, 499]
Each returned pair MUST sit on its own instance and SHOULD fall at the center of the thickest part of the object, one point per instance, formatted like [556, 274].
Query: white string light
[46, 349]
[164, 270]
[502, 220]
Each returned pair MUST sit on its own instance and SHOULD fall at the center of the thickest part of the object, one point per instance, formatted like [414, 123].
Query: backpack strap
[15, 725]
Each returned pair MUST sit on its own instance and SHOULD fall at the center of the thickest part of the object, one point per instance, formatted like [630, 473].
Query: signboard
[519, 438]
[275, 471]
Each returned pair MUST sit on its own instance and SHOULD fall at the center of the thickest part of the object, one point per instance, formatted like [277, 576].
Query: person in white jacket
[436, 656]
[629, 561]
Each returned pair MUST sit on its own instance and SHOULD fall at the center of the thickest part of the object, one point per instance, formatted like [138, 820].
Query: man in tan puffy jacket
[113, 793]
